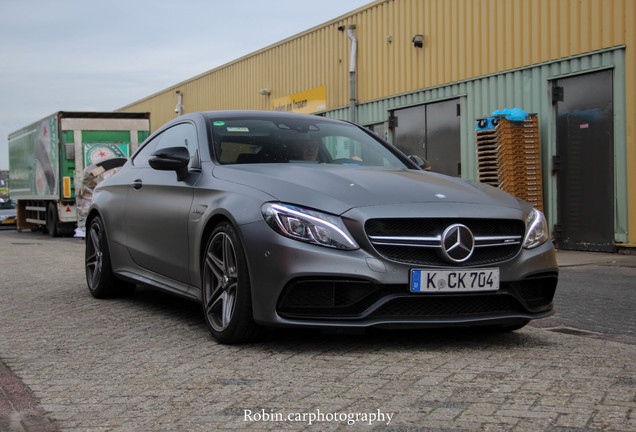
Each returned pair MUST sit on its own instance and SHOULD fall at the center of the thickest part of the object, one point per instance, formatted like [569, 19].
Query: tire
[99, 273]
[52, 223]
[226, 293]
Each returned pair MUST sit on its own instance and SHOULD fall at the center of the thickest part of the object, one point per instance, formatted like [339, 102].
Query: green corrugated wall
[529, 89]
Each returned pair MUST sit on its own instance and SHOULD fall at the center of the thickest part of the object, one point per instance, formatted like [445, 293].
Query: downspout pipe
[352, 73]
[179, 108]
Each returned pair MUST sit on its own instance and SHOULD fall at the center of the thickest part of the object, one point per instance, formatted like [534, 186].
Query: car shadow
[374, 339]
[342, 340]
[160, 303]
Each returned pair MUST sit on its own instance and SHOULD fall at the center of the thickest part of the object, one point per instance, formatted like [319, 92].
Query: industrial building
[422, 73]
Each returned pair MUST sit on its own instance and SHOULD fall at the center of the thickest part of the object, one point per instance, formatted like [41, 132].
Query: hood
[338, 188]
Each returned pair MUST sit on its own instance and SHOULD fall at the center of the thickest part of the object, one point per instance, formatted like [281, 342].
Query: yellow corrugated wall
[463, 39]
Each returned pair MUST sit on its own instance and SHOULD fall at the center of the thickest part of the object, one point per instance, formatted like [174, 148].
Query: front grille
[325, 293]
[418, 241]
[352, 300]
[536, 291]
[337, 297]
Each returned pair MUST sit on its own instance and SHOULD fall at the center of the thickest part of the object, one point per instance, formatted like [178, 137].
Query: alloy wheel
[221, 281]
[94, 255]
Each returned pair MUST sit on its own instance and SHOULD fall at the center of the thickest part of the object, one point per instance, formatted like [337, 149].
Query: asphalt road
[599, 298]
[596, 294]
[147, 363]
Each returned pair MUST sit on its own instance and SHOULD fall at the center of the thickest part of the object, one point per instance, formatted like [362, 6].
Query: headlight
[308, 226]
[536, 229]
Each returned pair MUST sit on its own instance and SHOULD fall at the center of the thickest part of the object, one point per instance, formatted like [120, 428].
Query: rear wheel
[226, 296]
[52, 223]
[99, 273]
[54, 227]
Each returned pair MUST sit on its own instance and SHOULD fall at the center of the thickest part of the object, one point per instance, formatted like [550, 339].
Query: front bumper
[298, 284]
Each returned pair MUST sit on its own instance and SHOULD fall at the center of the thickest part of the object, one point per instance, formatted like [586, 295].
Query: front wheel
[226, 296]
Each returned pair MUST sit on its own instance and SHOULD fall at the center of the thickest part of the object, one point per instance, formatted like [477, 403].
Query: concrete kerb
[567, 258]
[19, 408]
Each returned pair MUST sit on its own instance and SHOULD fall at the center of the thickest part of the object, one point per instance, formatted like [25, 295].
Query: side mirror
[422, 163]
[171, 159]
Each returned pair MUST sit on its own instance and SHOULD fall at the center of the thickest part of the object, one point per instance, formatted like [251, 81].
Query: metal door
[432, 132]
[585, 162]
[158, 209]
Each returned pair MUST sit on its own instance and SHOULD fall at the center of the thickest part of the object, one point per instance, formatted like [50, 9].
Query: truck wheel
[52, 224]
[99, 273]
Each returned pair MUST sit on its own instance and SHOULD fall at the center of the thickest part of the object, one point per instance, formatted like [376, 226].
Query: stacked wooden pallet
[487, 159]
[509, 157]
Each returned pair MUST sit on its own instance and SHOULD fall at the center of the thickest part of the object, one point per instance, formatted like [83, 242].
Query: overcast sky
[93, 55]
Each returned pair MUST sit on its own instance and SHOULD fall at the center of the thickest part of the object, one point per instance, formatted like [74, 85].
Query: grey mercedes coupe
[274, 219]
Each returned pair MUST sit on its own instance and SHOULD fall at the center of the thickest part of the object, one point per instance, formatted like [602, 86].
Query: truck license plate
[454, 281]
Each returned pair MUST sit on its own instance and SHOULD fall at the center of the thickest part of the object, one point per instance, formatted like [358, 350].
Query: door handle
[137, 184]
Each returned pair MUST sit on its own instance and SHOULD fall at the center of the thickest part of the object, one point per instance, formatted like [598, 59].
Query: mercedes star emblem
[458, 243]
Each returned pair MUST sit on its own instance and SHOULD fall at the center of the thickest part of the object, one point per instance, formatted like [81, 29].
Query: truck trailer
[47, 156]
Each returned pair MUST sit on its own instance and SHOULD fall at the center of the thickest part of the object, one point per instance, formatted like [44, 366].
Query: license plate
[450, 281]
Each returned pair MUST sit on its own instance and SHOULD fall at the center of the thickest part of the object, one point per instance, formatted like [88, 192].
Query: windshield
[293, 140]
[7, 205]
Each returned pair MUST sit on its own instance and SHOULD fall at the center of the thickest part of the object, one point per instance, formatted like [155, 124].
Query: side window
[181, 135]
[141, 157]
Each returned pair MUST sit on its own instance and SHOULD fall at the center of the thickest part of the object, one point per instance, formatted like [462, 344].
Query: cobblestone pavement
[147, 363]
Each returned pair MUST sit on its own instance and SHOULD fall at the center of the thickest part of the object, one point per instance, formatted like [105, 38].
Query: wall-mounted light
[418, 41]
[265, 91]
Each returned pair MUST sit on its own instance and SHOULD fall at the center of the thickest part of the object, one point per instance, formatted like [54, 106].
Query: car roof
[265, 115]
